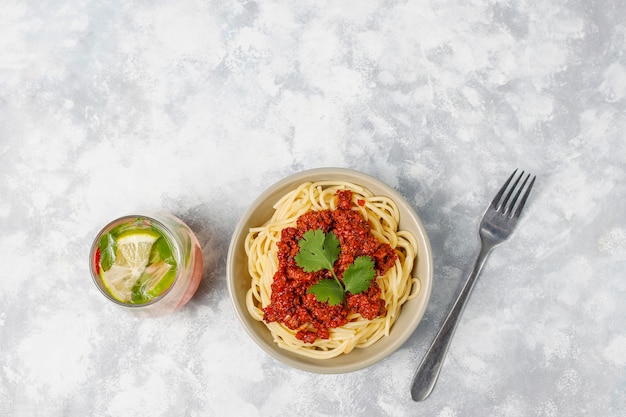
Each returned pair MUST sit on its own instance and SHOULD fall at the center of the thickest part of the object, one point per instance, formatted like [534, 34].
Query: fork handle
[428, 370]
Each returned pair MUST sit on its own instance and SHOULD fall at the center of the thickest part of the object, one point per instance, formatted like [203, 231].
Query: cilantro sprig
[319, 250]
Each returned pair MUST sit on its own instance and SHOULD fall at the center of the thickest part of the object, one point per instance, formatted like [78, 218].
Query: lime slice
[156, 278]
[132, 256]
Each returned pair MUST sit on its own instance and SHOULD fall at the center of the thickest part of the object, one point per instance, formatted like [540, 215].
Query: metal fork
[496, 226]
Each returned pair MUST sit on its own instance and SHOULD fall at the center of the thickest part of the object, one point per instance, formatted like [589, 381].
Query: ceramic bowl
[238, 277]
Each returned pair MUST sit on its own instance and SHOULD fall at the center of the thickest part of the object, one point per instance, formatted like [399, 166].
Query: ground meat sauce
[292, 306]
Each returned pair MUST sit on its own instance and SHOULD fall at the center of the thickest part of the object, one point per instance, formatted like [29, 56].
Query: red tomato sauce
[292, 306]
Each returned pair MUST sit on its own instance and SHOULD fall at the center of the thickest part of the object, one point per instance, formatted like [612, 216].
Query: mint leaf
[318, 250]
[108, 247]
[161, 251]
[358, 276]
[327, 290]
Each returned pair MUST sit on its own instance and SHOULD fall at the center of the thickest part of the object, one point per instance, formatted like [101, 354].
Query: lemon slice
[131, 259]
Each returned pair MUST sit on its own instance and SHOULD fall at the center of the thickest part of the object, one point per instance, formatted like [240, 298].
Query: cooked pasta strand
[397, 285]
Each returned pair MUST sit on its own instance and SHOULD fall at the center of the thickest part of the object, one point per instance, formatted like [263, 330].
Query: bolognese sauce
[290, 303]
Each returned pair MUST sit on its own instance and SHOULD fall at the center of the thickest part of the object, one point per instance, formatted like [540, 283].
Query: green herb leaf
[318, 250]
[327, 290]
[161, 251]
[358, 276]
[108, 247]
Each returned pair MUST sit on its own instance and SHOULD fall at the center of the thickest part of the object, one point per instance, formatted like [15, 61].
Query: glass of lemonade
[148, 264]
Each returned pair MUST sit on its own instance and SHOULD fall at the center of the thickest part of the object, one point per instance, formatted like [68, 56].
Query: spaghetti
[394, 286]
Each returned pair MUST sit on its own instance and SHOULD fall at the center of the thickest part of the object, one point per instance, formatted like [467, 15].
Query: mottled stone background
[195, 107]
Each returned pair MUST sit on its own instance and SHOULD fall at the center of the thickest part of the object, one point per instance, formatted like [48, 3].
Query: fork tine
[525, 197]
[496, 200]
[504, 207]
[509, 209]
